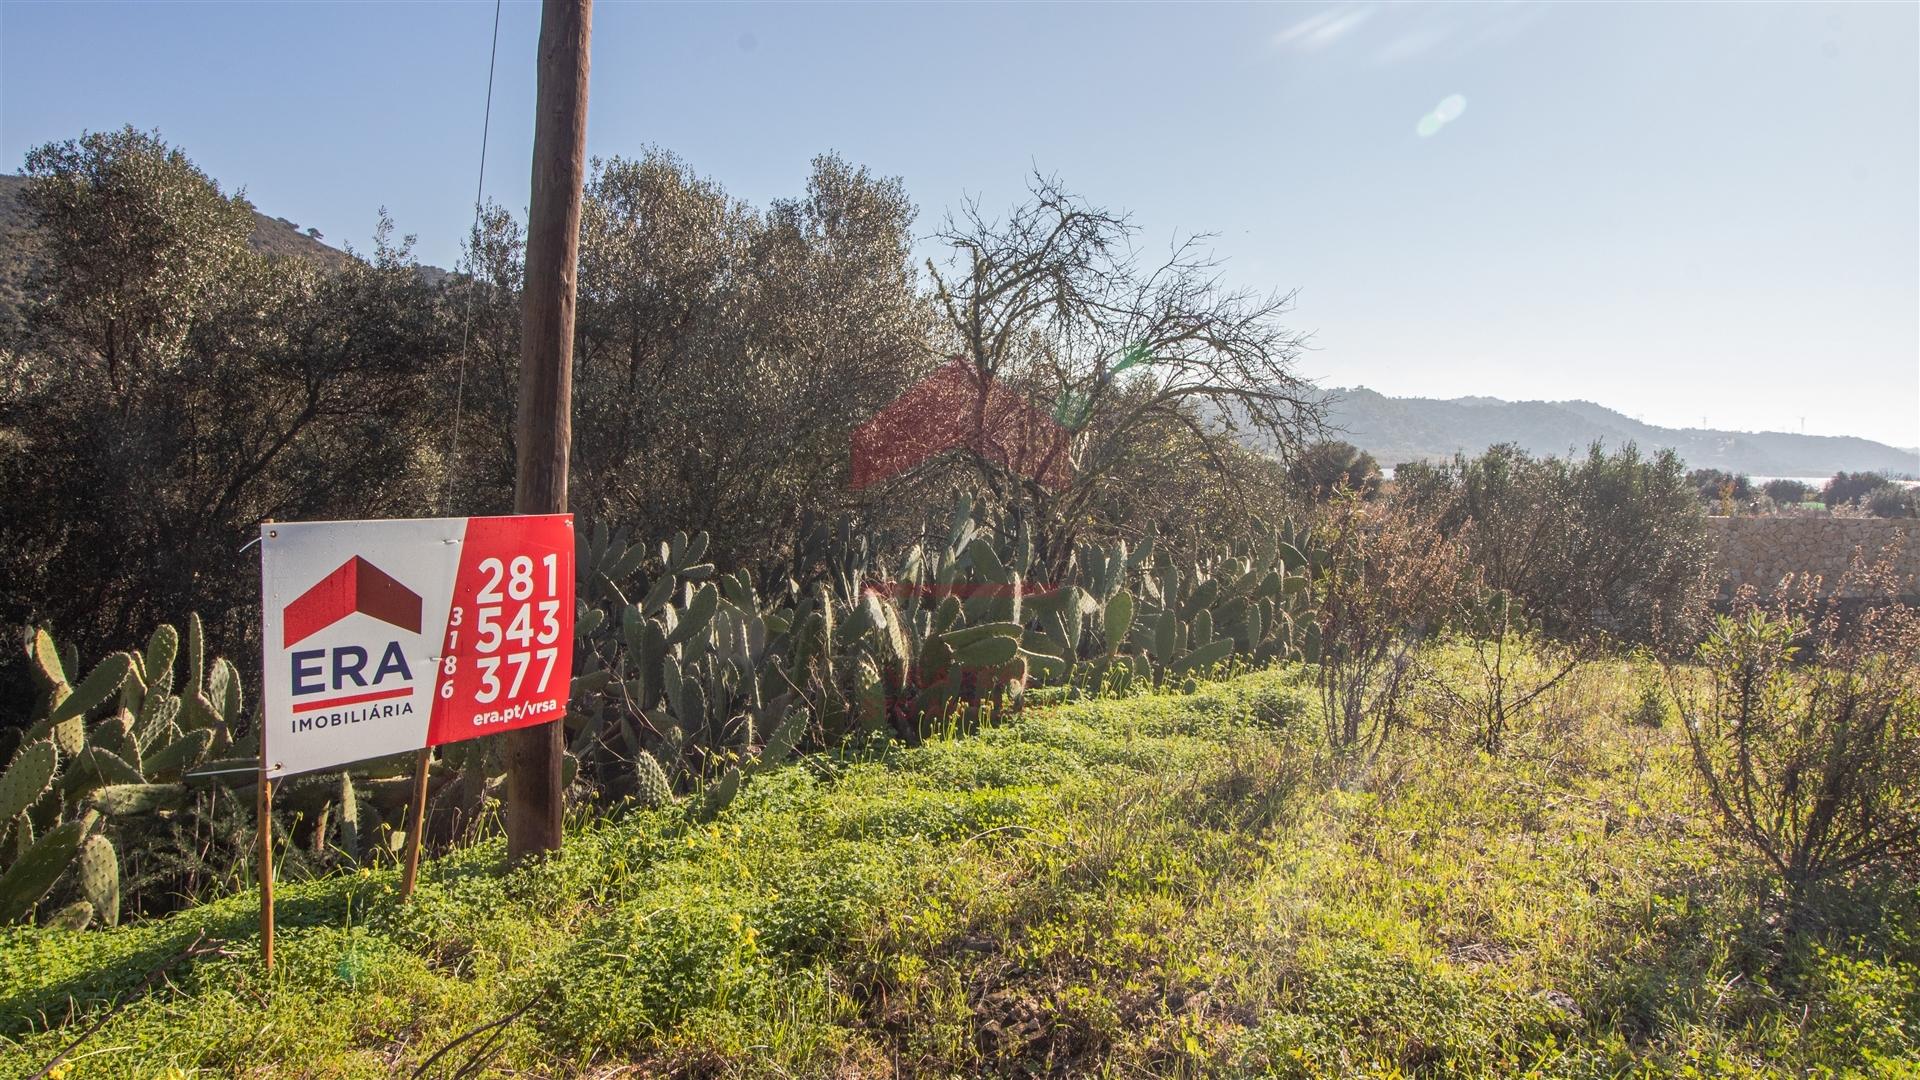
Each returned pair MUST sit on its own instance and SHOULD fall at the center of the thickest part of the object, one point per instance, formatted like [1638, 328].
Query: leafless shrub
[1511, 664]
[1804, 720]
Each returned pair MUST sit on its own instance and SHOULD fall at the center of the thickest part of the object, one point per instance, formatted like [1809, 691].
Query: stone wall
[1759, 551]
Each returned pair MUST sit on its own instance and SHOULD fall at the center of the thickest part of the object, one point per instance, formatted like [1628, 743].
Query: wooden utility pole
[546, 367]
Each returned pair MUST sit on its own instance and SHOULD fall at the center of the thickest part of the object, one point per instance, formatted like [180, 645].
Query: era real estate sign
[387, 636]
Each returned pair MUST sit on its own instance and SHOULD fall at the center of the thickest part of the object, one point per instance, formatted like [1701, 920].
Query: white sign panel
[387, 636]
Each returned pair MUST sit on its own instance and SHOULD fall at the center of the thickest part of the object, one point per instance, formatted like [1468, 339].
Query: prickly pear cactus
[28, 778]
[135, 800]
[349, 811]
[122, 743]
[74, 916]
[98, 869]
[34, 874]
[101, 682]
[682, 671]
[717, 796]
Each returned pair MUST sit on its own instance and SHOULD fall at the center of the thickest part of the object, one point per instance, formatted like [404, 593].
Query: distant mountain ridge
[1396, 430]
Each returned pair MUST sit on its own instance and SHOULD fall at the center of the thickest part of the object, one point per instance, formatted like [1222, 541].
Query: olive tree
[138, 241]
[173, 388]
[725, 353]
[481, 455]
[1326, 468]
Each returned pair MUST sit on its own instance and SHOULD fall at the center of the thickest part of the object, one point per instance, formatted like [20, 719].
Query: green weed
[1168, 885]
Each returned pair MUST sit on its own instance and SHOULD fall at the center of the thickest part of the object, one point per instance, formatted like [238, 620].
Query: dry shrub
[1804, 719]
[1389, 581]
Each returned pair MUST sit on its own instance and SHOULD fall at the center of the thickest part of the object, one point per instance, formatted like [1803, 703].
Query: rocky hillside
[19, 247]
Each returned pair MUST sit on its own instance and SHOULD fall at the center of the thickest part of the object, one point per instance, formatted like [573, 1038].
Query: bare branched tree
[1056, 301]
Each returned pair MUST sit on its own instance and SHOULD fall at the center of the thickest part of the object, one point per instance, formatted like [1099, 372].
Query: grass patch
[1162, 886]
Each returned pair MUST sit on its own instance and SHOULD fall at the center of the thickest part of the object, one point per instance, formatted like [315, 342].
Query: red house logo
[357, 585]
[961, 407]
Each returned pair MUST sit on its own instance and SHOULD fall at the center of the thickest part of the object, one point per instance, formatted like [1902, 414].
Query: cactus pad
[34, 874]
[652, 789]
[99, 873]
[27, 778]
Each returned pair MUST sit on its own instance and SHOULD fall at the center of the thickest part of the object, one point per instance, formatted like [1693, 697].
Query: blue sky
[1678, 210]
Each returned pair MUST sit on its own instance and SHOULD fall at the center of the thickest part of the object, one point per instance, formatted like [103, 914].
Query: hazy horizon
[1685, 213]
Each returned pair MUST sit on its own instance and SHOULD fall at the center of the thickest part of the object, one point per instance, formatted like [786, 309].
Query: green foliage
[174, 385]
[1391, 582]
[1325, 469]
[1504, 666]
[701, 684]
[172, 388]
[1608, 545]
[1720, 491]
[137, 237]
[1847, 488]
[1875, 493]
[804, 311]
[1894, 501]
[1786, 492]
[704, 675]
[1652, 703]
[1362, 994]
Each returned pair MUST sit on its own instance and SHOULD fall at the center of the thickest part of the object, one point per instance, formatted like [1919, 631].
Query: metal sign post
[264, 803]
[417, 830]
[266, 862]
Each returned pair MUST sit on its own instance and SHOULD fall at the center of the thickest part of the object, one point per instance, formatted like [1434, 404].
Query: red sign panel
[508, 655]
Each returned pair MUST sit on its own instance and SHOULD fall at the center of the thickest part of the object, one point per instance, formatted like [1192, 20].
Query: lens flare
[1445, 113]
